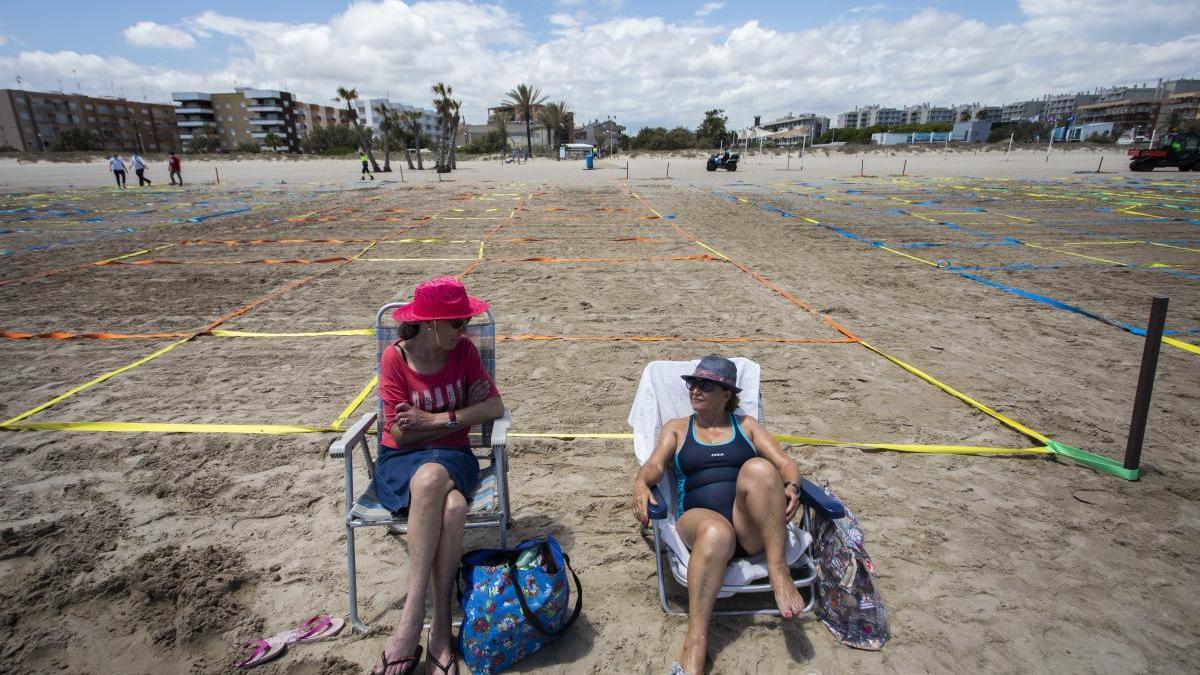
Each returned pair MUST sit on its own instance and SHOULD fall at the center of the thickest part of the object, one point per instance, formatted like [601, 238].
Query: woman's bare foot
[441, 657]
[787, 598]
[396, 649]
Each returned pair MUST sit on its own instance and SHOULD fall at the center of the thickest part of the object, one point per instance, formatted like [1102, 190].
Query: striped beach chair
[488, 504]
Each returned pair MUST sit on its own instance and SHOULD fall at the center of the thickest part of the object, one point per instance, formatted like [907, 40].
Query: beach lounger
[488, 504]
[661, 396]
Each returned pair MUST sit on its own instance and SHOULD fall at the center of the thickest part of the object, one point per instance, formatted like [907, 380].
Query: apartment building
[1020, 111]
[927, 114]
[871, 116]
[807, 124]
[270, 118]
[1147, 107]
[32, 120]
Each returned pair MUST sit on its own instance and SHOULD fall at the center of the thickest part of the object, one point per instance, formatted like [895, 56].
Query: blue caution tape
[218, 214]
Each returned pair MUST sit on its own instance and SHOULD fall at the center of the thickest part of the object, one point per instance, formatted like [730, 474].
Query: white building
[368, 117]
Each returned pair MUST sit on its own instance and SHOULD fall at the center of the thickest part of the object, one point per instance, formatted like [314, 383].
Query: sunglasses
[458, 324]
[705, 386]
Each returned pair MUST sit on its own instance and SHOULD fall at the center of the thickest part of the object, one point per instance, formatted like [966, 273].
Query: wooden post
[862, 163]
[668, 169]
[904, 169]
[626, 169]
[218, 172]
[1141, 400]
[1100, 164]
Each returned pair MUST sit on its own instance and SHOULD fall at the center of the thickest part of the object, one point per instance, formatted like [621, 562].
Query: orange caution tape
[672, 338]
[194, 242]
[543, 259]
[261, 261]
[63, 335]
[639, 240]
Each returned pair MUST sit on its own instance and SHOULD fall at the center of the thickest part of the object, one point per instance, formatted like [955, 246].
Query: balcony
[267, 121]
[193, 110]
[191, 123]
[185, 137]
[265, 108]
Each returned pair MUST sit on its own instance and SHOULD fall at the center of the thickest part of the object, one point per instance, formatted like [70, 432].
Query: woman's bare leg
[758, 519]
[427, 489]
[712, 540]
[445, 568]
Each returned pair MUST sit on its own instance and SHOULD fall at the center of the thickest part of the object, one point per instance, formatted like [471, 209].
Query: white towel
[661, 396]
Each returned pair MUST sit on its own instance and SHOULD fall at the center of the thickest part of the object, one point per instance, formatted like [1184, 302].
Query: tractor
[1175, 149]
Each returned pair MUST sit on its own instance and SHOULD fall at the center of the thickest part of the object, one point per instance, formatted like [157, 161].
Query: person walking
[117, 166]
[366, 170]
[139, 167]
[173, 168]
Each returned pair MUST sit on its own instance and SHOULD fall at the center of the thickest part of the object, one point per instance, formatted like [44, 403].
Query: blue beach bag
[515, 601]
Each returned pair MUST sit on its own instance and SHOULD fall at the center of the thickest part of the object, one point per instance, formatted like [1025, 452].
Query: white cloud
[708, 8]
[563, 20]
[651, 70]
[150, 34]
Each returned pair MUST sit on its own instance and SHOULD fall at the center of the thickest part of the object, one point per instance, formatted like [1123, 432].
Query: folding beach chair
[662, 396]
[488, 504]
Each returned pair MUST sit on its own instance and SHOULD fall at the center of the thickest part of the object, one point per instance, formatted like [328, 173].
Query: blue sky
[648, 63]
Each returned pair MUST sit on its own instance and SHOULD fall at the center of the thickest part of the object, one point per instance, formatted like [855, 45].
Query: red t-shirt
[444, 390]
[172, 163]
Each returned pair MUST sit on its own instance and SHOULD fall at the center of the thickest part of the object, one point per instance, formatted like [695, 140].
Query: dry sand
[153, 553]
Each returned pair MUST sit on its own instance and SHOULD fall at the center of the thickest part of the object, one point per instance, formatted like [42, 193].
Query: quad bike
[725, 161]
[1180, 150]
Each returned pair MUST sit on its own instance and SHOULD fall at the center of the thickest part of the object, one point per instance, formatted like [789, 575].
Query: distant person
[139, 167]
[117, 166]
[366, 170]
[173, 168]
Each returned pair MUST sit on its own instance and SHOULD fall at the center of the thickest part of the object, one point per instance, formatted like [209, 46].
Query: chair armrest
[500, 429]
[812, 495]
[657, 511]
[353, 436]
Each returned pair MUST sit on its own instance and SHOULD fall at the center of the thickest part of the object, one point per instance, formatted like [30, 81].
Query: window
[229, 118]
[145, 111]
[24, 115]
[88, 106]
[92, 119]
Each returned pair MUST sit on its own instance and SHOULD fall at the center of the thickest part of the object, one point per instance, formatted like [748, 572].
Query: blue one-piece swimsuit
[706, 475]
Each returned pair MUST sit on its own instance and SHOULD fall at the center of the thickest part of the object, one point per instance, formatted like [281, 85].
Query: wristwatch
[453, 423]
[791, 483]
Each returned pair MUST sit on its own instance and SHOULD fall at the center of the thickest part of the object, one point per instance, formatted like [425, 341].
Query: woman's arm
[769, 449]
[413, 425]
[652, 471]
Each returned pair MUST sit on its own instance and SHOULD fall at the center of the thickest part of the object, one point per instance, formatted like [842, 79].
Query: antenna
[78, 89]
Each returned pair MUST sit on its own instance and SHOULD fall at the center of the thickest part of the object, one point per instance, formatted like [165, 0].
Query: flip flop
[260, 651]
[317, 628]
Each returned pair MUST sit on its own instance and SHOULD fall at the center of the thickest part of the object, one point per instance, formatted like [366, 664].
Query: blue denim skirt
[395, 468]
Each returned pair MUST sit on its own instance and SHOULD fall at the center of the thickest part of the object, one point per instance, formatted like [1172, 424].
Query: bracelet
[791, 483]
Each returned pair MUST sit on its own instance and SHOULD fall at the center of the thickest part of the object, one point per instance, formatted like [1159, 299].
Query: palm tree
[500, 120]
[554, 116]
[386, 124]
[413, 118]
[444, 107]
[524, 98]
[349, 95]
[455, 108]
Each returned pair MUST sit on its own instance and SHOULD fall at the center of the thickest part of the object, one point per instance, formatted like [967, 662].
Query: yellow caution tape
[1182, 248]
[131, 255]
[1079, 255]
[1186, 346]
[167, 428]
[959, 395]
[98, 380]
[244, 333]
[480, 255]
[925, 449]
[337, 423]
[906, 255]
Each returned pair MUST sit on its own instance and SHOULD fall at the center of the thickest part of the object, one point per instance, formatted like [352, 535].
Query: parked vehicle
[1179, 150]
[723, 160]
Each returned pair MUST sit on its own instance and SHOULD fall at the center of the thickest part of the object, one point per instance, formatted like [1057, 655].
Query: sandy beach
[155, 552]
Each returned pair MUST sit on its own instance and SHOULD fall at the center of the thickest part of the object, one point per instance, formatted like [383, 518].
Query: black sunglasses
[458, 324]
[705, 386]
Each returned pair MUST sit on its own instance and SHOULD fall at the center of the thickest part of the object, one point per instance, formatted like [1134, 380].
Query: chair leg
[356, 624]
[662, 576]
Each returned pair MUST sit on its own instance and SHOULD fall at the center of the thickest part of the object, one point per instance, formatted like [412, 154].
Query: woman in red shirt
[434, 388]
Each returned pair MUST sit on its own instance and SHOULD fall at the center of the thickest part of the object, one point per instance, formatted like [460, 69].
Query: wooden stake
[1145, 386]
[668, 169]
[1100, 164]
[904, 169]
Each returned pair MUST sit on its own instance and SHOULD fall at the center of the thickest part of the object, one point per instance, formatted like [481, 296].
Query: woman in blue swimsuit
[736, 490]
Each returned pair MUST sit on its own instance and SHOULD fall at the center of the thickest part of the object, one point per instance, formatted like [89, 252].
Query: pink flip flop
[260, 651]
[315, 629]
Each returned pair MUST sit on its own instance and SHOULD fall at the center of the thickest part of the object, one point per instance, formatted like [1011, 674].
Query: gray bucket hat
[718, 369]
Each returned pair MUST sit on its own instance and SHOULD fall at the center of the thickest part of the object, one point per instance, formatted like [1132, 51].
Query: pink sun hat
[440, 298]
